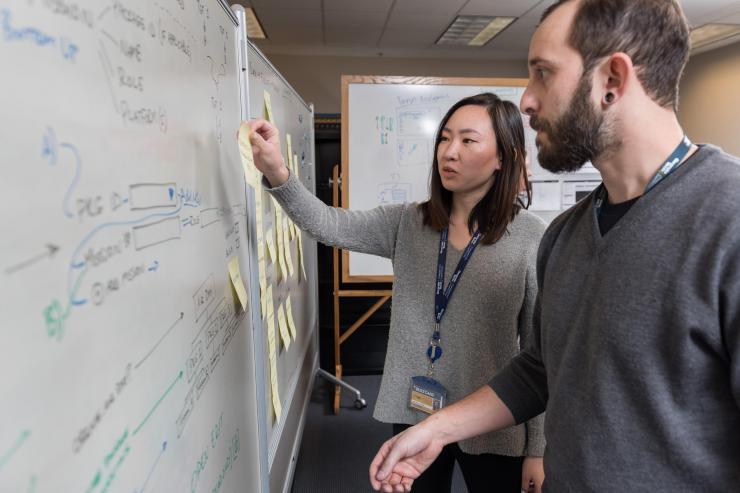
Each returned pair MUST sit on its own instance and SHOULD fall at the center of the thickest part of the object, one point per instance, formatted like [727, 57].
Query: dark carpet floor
[336, 450]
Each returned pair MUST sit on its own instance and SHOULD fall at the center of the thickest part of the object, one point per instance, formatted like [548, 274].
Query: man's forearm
[480, 412]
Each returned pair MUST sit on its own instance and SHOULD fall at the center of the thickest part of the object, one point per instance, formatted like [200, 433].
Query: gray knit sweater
[636, 353]
[491, 306]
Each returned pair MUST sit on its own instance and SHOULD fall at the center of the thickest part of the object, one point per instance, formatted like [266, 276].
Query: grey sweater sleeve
[373, 231]
[535, 427]
[522, 385]
[730, 315]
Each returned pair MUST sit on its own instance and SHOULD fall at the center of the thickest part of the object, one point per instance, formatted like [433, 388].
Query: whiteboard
[124, 362]
[389, 124]
[296, 365]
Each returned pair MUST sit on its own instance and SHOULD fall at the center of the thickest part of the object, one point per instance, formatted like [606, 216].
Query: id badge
[427, 394]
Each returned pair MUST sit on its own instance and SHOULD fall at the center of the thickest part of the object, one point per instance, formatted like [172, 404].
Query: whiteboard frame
[347, 80]
[257, 332]
[280, 443]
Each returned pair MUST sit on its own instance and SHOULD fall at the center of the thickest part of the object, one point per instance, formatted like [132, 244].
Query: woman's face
[467, 154]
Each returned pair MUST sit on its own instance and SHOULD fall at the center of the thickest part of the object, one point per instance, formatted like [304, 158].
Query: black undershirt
[611, 213]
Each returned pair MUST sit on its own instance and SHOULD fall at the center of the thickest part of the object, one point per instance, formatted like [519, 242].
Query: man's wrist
[438, 427]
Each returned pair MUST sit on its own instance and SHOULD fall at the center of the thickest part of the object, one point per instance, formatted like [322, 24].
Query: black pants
[489, 473]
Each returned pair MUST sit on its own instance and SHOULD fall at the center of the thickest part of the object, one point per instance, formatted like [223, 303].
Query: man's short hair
[654, 33]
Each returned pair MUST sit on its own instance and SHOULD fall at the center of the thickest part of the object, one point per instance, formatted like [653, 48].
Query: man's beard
[580, 135]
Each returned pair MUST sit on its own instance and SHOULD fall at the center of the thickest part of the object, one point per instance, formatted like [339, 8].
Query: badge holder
[427, 394]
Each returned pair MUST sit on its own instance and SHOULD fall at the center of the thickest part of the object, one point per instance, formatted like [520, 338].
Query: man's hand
[533, 474]
[403, 458]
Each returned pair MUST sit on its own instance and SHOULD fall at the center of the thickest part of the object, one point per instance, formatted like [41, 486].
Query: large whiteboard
[296, 365]
[125, 364]
[389, 124]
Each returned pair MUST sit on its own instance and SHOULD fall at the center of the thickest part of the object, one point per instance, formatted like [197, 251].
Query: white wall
[318, 79]
[709, 108]
[710, 90]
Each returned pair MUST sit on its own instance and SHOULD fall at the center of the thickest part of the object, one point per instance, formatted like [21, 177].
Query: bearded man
[636, 354]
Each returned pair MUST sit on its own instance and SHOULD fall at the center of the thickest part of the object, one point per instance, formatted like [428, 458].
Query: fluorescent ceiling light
[254, 28]
[712, 33]
[474, 30]
[494, 27]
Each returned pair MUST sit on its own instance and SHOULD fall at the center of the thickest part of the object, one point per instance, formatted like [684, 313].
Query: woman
[473, 229]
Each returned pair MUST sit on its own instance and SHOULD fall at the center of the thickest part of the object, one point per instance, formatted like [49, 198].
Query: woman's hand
[533, 474]
[268, 157]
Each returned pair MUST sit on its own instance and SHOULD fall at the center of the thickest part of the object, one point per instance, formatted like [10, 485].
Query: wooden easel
[383, 294]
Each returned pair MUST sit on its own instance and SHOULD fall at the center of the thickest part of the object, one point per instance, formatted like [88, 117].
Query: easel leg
[337, 389]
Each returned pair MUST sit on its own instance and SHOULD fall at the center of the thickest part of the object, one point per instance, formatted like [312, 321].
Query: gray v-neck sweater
[490, 308]
[636, 347]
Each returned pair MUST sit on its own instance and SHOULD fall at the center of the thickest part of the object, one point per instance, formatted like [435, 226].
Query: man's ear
[612, 78]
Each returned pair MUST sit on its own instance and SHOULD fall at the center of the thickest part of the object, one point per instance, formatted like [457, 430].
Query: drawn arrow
[9, 454]
[154, 466]
[159, 401]
[182, 315]
[50, 251]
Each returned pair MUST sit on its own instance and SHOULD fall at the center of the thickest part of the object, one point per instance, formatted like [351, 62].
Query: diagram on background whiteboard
[391, 125]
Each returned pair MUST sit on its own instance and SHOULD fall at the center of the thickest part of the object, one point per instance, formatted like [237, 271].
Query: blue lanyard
[670, 165]
[442, 297]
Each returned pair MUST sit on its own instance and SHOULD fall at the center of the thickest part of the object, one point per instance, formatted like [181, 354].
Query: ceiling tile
[503, 8]
[428, 7]
[352, 37]
[404, 38]
[701, 11]
[413, 25]
[415, 22]
[343, 19]
[358, 5]
[298, 18]
[292, 35]
[281, 4]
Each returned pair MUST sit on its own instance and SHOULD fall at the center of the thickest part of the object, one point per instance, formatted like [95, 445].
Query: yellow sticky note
[237, 282]
[289, 149]
[269, 305]
[270, 240]
[261, 260]
[286, 249]
[268, 107]
[262, 276]
[276, 406]
[283, 326]
[293, 230]
[291, 321]
[282, 261]
[272, 357]
[251, 174]
[272, 347]
[300, 254]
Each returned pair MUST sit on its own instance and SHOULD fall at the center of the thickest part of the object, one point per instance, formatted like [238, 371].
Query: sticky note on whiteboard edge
[286, 249]
[289, 150]
[251, 174]
[237, 282]
[283, 327]
[291, 320]
[268, 107]
[271, 246]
